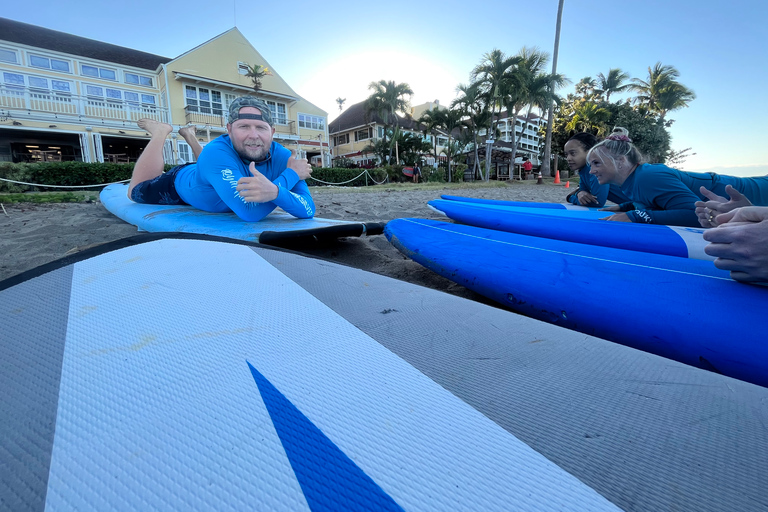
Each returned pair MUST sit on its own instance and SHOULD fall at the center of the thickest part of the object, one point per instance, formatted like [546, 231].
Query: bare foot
[188, 131]
[154, 127]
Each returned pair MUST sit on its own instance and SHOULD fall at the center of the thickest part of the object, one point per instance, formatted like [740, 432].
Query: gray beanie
[249, 101]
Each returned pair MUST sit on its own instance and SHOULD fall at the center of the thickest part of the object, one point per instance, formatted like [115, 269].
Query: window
[48, 63]
[442, 141]
[341, 139]
[8, 56]
[185, 153]
[38, 83]
[380, 132]
[364, 134]
[96, 72]
[205, 101]
[15, 82]
[278, 112]
[117, 97]
[312, 122]
[132, 78]
[242, 68]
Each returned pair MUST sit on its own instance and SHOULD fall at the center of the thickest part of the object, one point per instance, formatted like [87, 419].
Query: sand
[35, 234]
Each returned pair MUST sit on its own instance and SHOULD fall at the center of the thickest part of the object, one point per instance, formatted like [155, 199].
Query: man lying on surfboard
[244, 171]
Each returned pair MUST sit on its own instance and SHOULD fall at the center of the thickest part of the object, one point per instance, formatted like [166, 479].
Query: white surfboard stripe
[158, 409]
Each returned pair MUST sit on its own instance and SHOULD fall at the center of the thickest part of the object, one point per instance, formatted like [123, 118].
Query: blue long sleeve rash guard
[210, 184]
[588, 183]
[662, 195]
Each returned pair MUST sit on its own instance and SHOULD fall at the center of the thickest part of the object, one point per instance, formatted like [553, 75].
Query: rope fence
[125, 181]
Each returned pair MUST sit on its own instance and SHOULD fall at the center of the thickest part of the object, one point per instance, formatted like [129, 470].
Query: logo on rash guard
[303, 202]
[229, 176]
[644, 216]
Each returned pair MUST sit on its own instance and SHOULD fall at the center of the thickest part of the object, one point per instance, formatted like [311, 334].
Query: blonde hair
[616, 145]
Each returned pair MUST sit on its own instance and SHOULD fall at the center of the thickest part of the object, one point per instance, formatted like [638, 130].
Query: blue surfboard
[677, 241]
[524, 204]
[277, 228]
[651, 302]
[186, 372]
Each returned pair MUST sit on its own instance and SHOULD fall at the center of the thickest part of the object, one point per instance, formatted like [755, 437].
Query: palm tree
[586, 87]
[340, 101]
[550, 108]
[472, 107]
[614, 82]
[388, 98]
[588, 117]
[489, 74]
[661, 92]
[256, 73]
[528, 85]
[430, 121]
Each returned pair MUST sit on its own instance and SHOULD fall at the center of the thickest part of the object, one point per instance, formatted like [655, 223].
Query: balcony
[214, 117]
[45, 105]
[217, 118]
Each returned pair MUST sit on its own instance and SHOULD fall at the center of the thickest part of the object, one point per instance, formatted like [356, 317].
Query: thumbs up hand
[300, 165]
[256, 189]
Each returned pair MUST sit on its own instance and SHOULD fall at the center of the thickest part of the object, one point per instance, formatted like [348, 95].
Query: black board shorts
[160, 190]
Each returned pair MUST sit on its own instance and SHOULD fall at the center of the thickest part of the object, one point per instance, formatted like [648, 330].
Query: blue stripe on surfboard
[647, 301]
[329, 479]
[522, 204]
[620, 235]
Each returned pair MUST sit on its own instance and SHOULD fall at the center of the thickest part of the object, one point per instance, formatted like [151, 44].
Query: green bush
[341, 177]
[432, 175]
[62, 173]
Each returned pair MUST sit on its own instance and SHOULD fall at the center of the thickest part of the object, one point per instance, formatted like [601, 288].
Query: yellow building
[64, 97]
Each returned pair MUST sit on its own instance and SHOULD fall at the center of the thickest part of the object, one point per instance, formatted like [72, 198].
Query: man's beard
[256, 154]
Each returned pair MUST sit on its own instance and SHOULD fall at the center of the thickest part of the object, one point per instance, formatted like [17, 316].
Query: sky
[331, 49]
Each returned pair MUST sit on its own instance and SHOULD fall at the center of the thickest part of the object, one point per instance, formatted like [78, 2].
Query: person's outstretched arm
[740, 243]
[668, 201]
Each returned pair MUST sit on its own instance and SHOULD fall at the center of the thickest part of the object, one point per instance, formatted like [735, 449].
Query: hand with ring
[707, 211]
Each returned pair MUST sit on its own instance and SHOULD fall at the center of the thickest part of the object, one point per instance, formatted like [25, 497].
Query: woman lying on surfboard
[660, 194]
[590, 192]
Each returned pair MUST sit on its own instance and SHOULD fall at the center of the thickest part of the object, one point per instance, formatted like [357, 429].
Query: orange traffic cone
[567, 184]
[539, 181]
[557, 177]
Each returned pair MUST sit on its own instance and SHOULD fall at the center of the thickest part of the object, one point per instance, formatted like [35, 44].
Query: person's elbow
[252, 215]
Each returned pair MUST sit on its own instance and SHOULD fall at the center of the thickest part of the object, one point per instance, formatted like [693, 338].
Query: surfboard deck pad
[193, 372]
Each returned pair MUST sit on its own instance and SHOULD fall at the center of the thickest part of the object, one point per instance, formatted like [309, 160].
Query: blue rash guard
[661, 195]
[588, 183]
[210, 184]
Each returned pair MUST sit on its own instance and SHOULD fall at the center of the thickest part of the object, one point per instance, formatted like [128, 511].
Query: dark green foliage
[338, 176]
[646, 130]
[62, 173]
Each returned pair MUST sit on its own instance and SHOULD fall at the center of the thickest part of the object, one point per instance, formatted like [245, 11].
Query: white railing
[49, 105]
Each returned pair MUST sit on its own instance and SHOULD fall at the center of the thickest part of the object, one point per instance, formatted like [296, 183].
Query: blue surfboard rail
[658, 239]
[278, 228]
[650, 302]
[523, 204]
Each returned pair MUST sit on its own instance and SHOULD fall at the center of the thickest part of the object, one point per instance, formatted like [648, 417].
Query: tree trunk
[489, 147]
[545, 165]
